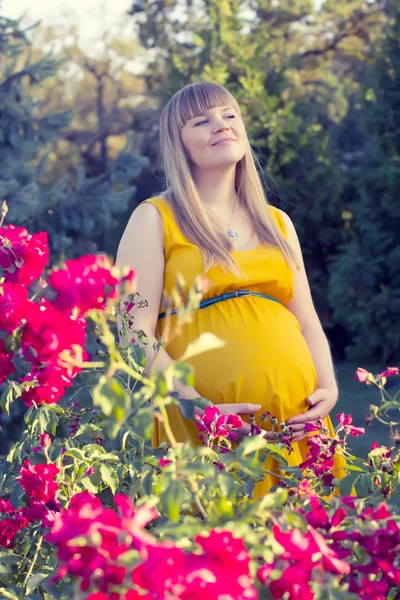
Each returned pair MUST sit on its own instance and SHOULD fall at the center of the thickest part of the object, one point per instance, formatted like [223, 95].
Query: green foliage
[79, 213]
[364, 287]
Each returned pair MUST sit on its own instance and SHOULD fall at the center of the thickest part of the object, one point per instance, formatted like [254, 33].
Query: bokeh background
[82, 86]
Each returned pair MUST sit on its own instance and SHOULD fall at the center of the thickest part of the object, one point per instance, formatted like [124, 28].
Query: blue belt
[228, 296]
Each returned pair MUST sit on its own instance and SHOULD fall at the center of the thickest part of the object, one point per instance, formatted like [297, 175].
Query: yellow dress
[265, 360]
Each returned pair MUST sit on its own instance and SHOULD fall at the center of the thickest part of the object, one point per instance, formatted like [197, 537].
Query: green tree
[78, 212]
[364, 286]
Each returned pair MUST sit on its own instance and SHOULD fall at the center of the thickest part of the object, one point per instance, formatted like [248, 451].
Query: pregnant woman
[213, 219]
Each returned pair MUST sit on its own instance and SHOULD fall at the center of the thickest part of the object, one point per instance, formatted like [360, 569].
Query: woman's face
[202, 138]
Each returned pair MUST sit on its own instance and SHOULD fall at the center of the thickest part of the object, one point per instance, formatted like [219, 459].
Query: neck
[216, 188]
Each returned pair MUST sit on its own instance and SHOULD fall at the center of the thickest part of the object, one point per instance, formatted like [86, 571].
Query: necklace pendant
[233, 234]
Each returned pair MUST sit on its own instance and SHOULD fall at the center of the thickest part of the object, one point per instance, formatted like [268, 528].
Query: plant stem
[200, 506]
[29, 573]
[4, 592]
[167, 426]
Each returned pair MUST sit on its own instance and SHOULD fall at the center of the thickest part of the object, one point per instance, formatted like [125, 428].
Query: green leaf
[89, 485]
[187, 408]
[129, 558]
[147, 482]
[93, 450]
[227, 483]
[7, 559]
[110, 396]
[75, 453]
[48, 420]
[346, 484]
[35, 580]
[204, 343]
[183, 372]
[350, 467]
[202, 403]
[16, 496]
[171, 499]
[11, 393]
[115, 402]
[363, 486]
[251, 444]
[275, 449]
[6, 399]
[109, 477]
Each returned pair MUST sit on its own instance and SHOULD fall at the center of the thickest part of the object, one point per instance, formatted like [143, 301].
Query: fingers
[316, 396]
[300, 426]
[299, 436]
[242, 408]
[312, 414]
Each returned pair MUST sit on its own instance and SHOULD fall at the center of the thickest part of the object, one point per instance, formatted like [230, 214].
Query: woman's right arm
[142, 248]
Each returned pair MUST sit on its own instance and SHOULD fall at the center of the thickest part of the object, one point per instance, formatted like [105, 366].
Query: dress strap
[172, 233]
[222, 297]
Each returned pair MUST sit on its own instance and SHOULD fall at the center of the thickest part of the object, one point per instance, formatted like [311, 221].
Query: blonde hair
[201, 228]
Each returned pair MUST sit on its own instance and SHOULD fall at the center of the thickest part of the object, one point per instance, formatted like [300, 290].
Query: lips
[227, 139]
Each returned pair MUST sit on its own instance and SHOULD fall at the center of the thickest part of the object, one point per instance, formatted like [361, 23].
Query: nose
[221, 125]
[221, 129]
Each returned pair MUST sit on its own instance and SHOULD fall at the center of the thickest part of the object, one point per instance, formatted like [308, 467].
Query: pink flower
[45, 440]
[86, 283]
[293, 583]
[48, 385]
[330, 560]
[191, 576]
[46, 513]
[345, 421]
[109, 536]
[309, 427]
[216, 425]
[389, 372]
[38, 480]
[7, 367]
[317, 517]
[23, 256]
[338, 517]
[135, 520]
[373, 589]
[48, 332]
[13, 306]
[362, 375]
[9, 528]
[7, 507]
[163, 462]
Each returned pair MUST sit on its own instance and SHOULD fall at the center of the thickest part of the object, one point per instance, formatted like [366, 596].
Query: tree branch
[356, 21]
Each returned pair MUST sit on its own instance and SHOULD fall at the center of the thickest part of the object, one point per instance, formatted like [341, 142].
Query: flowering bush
[89, 510]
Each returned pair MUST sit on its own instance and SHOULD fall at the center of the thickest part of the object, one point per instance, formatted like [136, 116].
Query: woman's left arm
[324, 398]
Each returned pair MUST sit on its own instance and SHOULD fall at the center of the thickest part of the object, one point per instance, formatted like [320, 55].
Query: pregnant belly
[265, 359]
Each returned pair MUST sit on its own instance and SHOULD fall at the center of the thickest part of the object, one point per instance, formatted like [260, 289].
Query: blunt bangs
[195, 99]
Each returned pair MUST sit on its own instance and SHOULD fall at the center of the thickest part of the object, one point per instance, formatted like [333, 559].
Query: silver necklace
[232, 233]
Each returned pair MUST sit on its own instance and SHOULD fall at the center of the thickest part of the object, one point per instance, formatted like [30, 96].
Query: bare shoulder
[291, 231]
[143, 231]
[145, 217]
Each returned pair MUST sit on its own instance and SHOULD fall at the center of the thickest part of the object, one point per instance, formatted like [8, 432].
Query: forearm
[319, 348]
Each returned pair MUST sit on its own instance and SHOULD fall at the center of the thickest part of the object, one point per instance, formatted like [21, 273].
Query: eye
[204, 120]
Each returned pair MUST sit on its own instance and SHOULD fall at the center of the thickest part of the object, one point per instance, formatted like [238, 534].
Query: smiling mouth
[224, 142]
